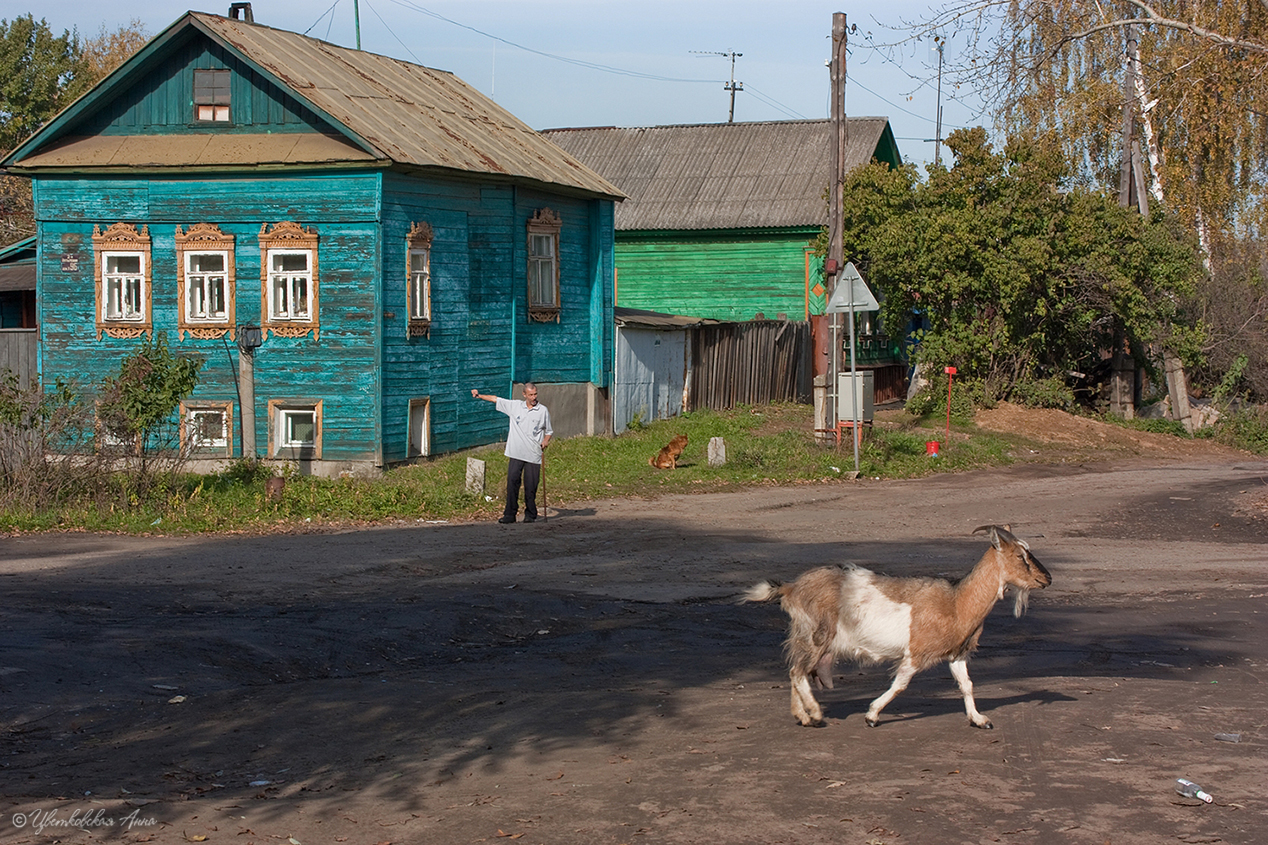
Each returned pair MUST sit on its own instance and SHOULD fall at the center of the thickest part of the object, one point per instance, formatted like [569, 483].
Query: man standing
[528, 436]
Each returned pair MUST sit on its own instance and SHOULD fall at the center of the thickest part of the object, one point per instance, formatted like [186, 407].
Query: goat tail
[764, 591]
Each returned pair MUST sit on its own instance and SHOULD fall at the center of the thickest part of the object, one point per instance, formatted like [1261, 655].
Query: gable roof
[724, 175]
[380, 110]
[17, 265]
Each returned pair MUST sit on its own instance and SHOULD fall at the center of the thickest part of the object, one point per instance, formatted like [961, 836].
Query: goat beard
[1020, 602]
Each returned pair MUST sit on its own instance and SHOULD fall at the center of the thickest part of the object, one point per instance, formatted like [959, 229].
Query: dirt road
[591, 680]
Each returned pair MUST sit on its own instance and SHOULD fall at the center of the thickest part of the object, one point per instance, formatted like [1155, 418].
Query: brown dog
[667, 458]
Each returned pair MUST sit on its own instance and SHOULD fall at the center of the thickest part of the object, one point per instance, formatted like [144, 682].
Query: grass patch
[768, 445]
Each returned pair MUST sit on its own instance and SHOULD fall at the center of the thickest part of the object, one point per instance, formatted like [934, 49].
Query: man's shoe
[507, 520]
[530, 519]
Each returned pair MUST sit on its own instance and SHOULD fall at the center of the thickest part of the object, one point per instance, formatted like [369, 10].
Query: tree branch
[1151, 16]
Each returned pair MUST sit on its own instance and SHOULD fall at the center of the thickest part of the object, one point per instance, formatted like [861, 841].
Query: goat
[918, 622]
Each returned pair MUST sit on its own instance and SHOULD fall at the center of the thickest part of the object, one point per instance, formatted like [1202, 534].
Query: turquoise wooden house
[350, 242]
[722, 217]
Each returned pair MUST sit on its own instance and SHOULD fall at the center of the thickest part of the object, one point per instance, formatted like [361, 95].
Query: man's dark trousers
[531, 475]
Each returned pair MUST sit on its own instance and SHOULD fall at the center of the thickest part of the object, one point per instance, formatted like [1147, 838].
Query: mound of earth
[1079, 435]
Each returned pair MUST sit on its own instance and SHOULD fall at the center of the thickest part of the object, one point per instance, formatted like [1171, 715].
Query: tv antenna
[731, 86]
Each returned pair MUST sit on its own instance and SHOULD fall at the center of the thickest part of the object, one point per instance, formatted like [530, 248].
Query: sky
[559, 63]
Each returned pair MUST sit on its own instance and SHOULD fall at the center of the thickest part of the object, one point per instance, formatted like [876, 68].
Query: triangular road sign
[850, 286]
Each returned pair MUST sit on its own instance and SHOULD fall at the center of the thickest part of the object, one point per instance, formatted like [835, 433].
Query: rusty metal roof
[639, 318]
[391, 111]
[724, 175]
[410, 114]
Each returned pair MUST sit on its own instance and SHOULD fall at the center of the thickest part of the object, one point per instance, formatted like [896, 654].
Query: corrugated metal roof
[410, 114]
[720, 175]
[17, 277]
[391, 111]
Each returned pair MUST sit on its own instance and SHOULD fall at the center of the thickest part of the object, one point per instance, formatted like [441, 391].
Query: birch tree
[1055, 69]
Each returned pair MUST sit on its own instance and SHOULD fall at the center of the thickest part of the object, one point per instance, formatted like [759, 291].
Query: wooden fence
[18, 349]
[750, 363]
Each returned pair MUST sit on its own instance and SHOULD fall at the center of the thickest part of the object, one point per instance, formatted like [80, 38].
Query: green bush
[1246, 429]
[1043, 393]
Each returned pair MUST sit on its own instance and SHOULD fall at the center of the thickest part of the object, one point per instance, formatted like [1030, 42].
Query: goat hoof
[984, 725]
[871, 723]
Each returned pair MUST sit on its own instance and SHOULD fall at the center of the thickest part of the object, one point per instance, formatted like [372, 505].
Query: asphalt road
[591, 679]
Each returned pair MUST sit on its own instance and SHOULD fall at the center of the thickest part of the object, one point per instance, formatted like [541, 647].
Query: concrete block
[717, 452]
[475, 476]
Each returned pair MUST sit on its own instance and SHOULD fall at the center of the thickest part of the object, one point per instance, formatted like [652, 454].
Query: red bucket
[931, 448]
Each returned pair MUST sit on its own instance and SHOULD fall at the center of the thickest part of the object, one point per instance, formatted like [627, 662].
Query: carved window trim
[288, 237]
[200, 239]
[189, 410]
[122, 239]
[418, 242]
[544, 223]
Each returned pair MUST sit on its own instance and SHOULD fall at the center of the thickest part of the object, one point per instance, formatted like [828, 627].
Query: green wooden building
[721, 218]
[388, 236]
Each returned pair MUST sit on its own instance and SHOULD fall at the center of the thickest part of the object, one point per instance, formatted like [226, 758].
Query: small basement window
[419, 427]
[211, 96]
[296, 429]
[207, 428]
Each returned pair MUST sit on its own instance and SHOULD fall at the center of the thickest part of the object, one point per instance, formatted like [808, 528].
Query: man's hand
[475, 394]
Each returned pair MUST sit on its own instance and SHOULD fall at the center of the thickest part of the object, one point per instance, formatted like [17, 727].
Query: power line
[394, 35]
[578, 62]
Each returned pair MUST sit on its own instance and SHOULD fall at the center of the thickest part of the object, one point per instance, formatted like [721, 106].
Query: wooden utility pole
[835, 259]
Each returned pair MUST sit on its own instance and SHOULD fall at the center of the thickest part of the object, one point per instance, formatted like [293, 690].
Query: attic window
[211, 96]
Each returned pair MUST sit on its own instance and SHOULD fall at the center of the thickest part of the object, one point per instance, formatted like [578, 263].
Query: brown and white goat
[918, 622]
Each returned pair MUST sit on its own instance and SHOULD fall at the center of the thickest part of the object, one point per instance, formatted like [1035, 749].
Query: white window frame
[222, 445]
[420, 284]
[285, 422]
[281, 412]
[542, 270]
[419, 420]
[113, 308]
[208, 279]
[286, 279]
[204, 239]
[289, 238]
[120, 240]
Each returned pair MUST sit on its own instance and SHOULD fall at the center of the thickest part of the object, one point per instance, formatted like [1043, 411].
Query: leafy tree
[104, 52]
[40, 74]
[137, 407]
[1018, 275]
[36, 67]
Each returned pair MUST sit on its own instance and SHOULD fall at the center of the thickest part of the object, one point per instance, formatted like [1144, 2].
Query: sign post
[851, 294]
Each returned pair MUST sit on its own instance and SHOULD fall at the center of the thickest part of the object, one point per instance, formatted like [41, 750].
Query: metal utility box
[856, 390]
